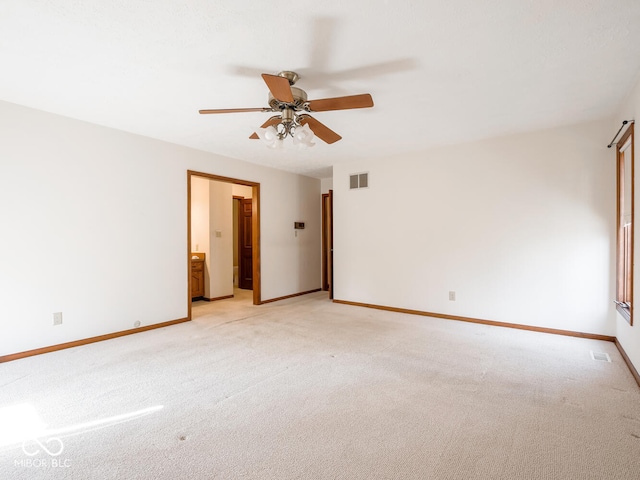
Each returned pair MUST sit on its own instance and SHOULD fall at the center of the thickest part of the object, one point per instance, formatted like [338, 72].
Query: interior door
[327, 242]
[245, 255]
[331, 287]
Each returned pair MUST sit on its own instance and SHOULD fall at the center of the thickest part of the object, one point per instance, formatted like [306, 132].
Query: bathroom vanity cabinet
[197, 278]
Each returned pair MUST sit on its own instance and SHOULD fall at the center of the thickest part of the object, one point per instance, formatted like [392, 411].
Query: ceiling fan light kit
[304, 136]
[293, 107]
[272, 136]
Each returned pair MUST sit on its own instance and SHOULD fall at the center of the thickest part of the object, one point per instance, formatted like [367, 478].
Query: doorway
[327, 243]
[245, 244]
[252, 219]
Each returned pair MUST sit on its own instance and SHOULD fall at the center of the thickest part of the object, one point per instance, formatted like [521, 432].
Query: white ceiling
[440, 72]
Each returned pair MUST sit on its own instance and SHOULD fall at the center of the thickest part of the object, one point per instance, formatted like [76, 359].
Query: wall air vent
[358, 180]
[603, 357]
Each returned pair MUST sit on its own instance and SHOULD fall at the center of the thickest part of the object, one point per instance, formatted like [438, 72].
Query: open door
[327, 242]
[245, 254]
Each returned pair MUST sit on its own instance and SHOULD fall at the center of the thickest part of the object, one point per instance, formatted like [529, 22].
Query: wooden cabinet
[197, 278]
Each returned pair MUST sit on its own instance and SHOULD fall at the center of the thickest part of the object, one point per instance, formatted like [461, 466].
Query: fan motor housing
[299, 99]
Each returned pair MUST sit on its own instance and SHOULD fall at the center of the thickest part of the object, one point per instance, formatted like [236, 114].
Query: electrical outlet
[57, 318]
[452, 296]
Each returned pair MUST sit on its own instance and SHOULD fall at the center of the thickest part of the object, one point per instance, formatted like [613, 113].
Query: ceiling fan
[293, 110]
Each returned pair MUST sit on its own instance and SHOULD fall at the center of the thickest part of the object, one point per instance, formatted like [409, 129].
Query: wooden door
[327, 242]
[245, 253]
[331, 289]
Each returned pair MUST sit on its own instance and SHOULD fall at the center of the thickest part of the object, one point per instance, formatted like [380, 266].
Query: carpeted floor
[308, 389]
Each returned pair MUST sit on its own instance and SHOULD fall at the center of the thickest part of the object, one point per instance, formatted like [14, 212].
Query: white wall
[94, 226]
[220, 261]
[200, 231]
[628, 336]
[200, 215]
[326, 184]
[242, 191]
[520, 227]
[211, 212]
[297, 205]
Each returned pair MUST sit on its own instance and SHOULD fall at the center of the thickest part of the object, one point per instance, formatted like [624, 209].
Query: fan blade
[279, 87]
[236, 110]
[272, 121]
[341, 103]
[320, 130]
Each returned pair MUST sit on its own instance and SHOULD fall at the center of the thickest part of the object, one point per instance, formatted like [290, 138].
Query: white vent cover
[358, 180]
[603, 357]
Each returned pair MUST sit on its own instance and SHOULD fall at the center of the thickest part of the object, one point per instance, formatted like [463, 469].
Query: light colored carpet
[308, 389]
